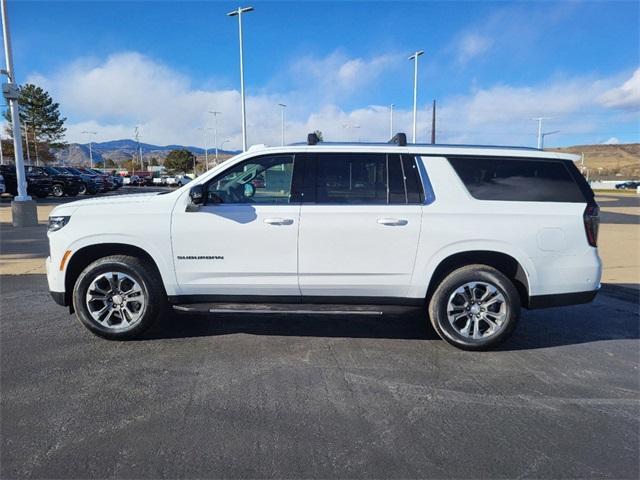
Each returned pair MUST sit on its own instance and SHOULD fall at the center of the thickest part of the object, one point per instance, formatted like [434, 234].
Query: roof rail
[312, 139]
[399, 139]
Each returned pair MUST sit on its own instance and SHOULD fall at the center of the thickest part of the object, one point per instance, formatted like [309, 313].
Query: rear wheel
[83, 189]
[475, 308]
[118, 297]
[58, 191]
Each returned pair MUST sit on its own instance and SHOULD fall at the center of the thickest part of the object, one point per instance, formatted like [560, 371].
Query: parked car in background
[91, 184]
[178, 180]
[628, 185]
[37, 185]
[134, 181]
[2, 185]
[117, 181]
[107, 184]
[470, 235]
[63, 183]
[160, 181]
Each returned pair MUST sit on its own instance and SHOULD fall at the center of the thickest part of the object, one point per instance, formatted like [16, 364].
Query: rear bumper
[561, 299]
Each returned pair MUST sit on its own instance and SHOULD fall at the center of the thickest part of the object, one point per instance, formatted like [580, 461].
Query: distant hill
[120, 151]
[622, 160]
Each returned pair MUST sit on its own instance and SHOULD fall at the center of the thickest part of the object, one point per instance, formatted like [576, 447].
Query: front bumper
[55, 279]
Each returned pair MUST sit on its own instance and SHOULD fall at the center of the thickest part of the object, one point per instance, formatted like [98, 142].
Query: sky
[491, 67]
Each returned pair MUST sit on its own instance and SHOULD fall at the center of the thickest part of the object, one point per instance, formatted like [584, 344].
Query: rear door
[360, 224]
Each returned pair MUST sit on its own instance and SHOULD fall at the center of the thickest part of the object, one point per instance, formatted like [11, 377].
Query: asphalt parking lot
[322, 397]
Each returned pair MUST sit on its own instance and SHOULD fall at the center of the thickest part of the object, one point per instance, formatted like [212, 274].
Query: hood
[116, 201]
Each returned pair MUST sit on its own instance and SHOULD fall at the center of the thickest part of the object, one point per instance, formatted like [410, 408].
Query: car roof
[419, 149]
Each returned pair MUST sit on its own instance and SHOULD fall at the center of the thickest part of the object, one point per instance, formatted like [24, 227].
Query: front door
[243, 240]
[360, 224]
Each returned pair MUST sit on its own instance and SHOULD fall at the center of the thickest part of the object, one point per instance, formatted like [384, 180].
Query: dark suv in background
[38, 185]
[63, 183]
[91, 183]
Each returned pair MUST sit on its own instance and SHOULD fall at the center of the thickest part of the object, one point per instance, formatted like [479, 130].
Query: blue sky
[490, 65]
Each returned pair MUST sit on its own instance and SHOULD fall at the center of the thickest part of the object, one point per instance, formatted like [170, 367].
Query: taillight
[592, 223]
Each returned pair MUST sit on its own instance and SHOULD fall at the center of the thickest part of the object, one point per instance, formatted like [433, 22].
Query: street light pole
[23, 208]
[544, 135]
[239, 13]
[283, 106]
[88, 132]
[206, 146]
[391, 120]
[414, 57]
[215, 132]
[539, 120]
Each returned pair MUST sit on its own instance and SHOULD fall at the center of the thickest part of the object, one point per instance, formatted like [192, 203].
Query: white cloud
[626, 96]
[612, 141]
[114, 95]
[472, 45]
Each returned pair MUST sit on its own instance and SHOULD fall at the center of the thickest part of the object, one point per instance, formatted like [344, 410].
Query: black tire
[58, 190]
[150, 284]
[438, 306]
[83, 189]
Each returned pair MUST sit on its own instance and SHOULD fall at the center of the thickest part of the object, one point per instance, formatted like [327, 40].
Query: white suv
[472, 234]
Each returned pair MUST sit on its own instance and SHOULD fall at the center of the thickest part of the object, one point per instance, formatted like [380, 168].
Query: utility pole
[391, 120]
[239, 13]
[89, 132]
[282, 107]
[414, 57]
[1, 153]
[23, 208]
[215, 133]
[35, 143]
[206, 146]
[26, 142]
[137, 137]
[433, 124]
[539, 120]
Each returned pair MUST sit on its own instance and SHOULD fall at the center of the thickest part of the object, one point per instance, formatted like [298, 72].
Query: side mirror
[196, 194]
[249, 190]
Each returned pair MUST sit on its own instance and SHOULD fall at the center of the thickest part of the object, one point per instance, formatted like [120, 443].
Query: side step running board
[286, 308]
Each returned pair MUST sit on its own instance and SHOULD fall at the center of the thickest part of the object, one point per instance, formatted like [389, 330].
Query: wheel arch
[90, 253]
[503, 262]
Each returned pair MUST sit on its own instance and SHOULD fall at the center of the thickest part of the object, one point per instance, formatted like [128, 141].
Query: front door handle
[278, 221]
[392, 221]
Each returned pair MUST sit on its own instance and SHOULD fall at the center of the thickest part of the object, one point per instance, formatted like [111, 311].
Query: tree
[319, 135]
[154, 162]
[40, 121]
[180, 161]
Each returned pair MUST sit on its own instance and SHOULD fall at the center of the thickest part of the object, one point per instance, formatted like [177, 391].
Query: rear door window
[524, 180]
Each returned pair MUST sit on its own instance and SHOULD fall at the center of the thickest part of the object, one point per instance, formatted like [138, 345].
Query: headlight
[56, 223]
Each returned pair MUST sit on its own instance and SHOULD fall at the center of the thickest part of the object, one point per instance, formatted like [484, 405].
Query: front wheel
[475, 308]
[83, 189]
[58, 191]
[118, 297]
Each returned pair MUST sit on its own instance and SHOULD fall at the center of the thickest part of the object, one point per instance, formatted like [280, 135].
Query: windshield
[51, 171]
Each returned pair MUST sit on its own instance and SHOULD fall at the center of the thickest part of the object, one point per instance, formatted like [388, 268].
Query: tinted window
[351, 179]
[412, 179]
[261, 180]
[517, 179]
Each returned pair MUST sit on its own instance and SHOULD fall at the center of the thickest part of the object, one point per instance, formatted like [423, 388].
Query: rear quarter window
[511, 179]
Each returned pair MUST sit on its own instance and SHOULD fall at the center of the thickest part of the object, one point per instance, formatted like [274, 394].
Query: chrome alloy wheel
[477, 310]
[115, 300]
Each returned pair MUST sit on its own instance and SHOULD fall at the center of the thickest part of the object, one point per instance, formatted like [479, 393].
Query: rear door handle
[392, 221]
[278, 221]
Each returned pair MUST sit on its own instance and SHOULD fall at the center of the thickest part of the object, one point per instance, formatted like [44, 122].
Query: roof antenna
[399, 139]
[312, 139]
